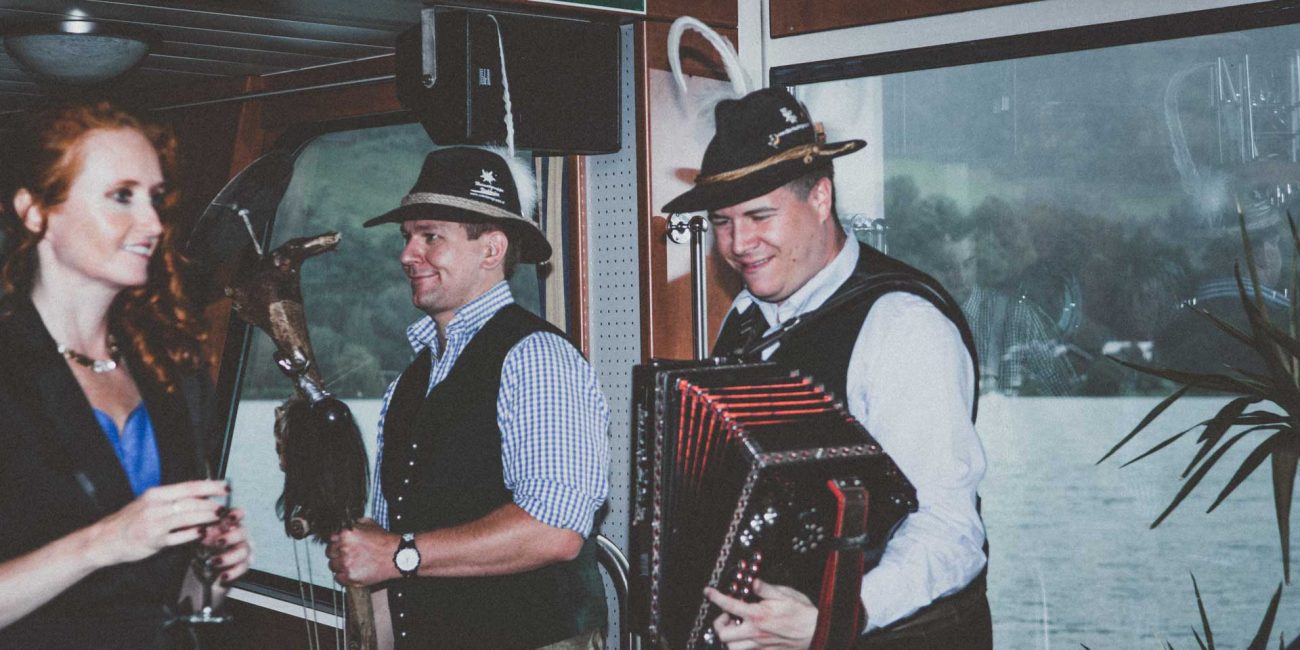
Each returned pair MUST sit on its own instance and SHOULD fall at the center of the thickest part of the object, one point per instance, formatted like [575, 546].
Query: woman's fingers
[198, 515]
[187, 490]
[176, 538]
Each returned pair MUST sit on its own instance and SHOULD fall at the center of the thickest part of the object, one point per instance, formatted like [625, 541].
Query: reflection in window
[1076, 205]
[358, 306]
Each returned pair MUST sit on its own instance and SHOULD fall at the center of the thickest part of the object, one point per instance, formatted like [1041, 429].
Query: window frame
[1055, 41]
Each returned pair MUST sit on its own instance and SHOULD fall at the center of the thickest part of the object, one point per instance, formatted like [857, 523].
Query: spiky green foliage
[1260, 642]
[1275, 435]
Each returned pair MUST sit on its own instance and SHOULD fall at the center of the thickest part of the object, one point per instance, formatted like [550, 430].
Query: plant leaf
[1164, 443]
[1205, 619]
[1155, 412]
[1260, 642]
[1262, 417]
[1217, 426]
[1284, 469]
[1264, 347]
[1295, 259]
[1250, 259]
[1208, 381]
[1227, 328]
[1197, 476]
[1282, 338]
[1294, 645]
[1248, 466]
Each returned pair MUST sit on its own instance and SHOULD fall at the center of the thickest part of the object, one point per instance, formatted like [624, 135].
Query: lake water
[1073, 560]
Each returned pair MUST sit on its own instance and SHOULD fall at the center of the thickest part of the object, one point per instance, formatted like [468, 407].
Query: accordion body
[751, 470]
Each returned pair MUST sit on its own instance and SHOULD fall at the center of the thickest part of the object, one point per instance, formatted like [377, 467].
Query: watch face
[407, 559]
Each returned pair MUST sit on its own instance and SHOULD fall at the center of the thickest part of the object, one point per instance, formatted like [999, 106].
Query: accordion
[751, 470]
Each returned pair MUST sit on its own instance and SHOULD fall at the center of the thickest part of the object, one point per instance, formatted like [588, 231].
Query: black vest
[442, 468]
[821, 348]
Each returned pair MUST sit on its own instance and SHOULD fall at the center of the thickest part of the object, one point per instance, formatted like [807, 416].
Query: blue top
[551, 412]
[136, 447]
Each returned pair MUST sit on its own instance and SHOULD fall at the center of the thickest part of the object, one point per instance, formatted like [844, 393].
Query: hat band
[805, 151]
[430, 198]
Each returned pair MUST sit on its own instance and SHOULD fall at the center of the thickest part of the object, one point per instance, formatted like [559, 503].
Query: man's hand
[363, 555]
[784, 618]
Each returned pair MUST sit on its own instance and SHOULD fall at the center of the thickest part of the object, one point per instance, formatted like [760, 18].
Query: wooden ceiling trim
[269, 44]
[173, 63]
[21, 87]
[715, 13]
[794, 17]
[303, 27]
[344, 12]
[243, 54]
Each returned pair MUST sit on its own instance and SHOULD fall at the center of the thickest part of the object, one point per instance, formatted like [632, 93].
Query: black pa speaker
[563, 76]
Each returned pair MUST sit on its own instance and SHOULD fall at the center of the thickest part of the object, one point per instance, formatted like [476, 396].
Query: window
[358, 306]
[1077, 204]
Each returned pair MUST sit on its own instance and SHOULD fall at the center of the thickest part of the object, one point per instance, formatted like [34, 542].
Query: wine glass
[203, 609]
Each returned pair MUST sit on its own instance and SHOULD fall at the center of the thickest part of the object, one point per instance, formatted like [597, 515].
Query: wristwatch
[407, 557]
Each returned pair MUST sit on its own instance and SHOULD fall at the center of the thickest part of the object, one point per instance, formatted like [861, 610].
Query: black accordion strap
[873, 286]
[879, 283]
[838, 623]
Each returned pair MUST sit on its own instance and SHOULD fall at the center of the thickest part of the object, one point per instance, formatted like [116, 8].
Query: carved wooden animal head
[270, 297]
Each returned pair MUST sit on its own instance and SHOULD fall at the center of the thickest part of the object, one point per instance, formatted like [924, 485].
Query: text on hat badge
[485, 187]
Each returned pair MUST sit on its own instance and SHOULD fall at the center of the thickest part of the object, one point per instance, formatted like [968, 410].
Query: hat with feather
[763, 141]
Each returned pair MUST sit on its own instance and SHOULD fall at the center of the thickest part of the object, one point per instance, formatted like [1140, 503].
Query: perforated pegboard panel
[615, 297]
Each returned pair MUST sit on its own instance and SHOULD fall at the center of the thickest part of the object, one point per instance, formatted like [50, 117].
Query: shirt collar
[812, 294]
[469, 319]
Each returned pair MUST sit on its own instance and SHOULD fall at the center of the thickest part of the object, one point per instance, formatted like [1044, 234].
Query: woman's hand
[233, 554]
[163, 516]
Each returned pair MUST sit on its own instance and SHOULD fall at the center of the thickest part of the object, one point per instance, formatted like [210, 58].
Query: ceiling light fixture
[78, 52]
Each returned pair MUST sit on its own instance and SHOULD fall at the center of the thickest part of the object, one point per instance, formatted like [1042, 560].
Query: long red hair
[44, 156]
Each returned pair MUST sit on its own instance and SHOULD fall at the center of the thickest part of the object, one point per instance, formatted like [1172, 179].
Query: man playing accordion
[900, 362]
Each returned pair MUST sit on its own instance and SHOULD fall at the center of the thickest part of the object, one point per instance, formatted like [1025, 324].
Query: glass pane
[1078, 206]
[358, 307]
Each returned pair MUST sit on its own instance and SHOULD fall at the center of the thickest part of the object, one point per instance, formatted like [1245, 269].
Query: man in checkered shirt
[493, 448]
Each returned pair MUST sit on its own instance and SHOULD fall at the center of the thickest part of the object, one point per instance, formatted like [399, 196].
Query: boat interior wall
[673, 134]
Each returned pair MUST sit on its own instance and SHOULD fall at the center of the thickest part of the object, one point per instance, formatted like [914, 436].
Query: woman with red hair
[102, 389]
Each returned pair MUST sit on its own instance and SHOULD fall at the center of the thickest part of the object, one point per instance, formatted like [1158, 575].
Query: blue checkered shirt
[552, 415]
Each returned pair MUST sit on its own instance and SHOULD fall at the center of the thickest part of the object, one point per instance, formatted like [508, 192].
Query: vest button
[399, 517]
[400, 498]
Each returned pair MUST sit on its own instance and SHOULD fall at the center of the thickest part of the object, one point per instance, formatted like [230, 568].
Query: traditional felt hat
[473, 185]
[763, 141]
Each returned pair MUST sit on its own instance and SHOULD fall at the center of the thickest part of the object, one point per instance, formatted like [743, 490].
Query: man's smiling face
[778, 241]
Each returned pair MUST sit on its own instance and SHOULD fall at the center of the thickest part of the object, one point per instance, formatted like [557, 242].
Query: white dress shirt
[910, 383]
